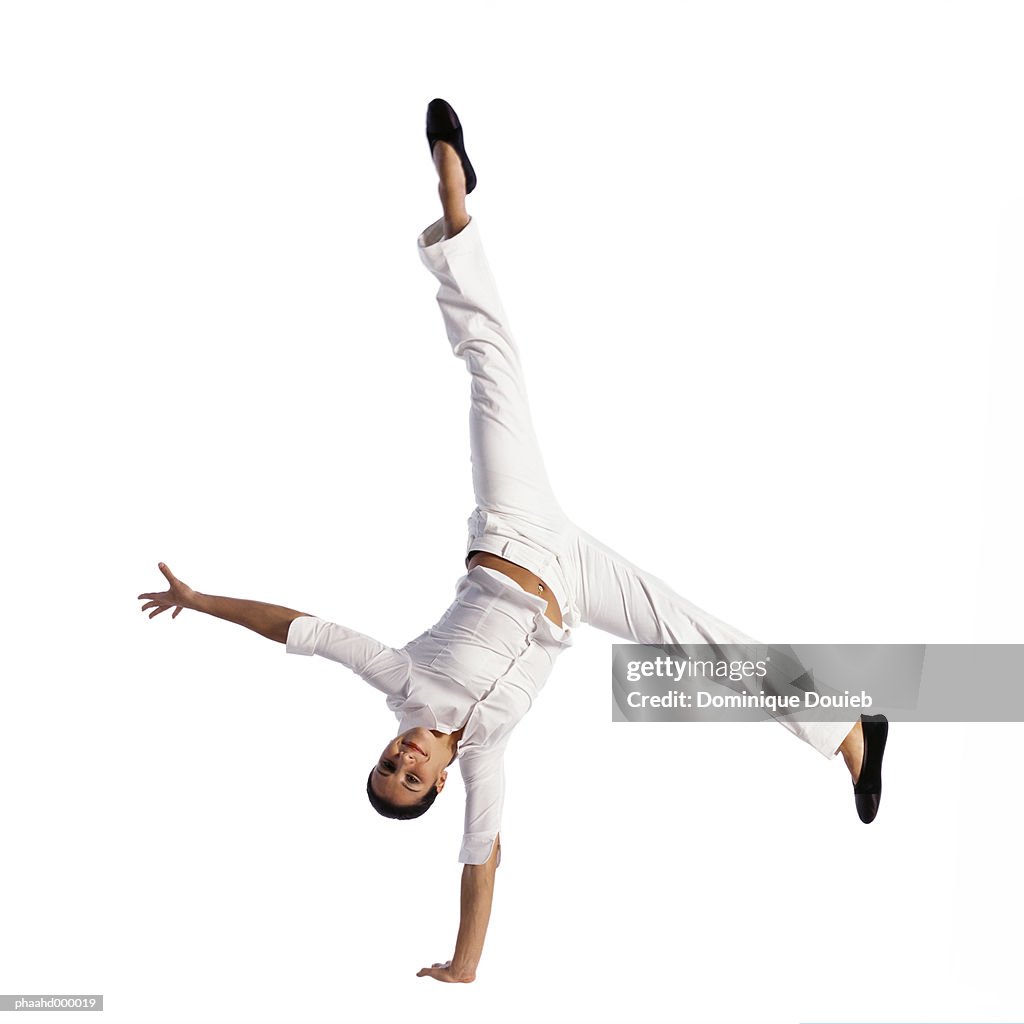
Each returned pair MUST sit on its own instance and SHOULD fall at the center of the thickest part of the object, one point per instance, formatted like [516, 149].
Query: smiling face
[409, 766]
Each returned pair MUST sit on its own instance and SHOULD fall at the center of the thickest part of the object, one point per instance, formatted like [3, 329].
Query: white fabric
[482, 665]
[479, 668]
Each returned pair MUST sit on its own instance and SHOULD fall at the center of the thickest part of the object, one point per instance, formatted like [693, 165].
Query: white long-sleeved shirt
[478, 668]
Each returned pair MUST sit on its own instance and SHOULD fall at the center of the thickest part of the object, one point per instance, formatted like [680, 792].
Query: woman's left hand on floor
[444, 972]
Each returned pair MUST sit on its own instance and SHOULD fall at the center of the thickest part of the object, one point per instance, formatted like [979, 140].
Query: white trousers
[517, 515]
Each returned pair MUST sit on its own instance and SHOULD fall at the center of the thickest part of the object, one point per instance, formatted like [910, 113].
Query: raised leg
[509, 477]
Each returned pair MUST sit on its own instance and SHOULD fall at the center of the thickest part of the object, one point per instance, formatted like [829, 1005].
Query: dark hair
[390, 810]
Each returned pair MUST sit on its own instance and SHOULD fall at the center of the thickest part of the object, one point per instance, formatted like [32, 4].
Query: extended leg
[509, 476]
[619, 597]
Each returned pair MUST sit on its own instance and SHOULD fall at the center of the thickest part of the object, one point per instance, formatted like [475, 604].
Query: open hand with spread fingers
[177, 597]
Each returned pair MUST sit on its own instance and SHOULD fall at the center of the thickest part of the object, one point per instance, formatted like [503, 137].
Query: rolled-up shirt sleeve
[383, 667]
[483, 774]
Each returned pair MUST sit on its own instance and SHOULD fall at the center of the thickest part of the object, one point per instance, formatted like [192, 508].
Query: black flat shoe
[443, 125]
[867, 790]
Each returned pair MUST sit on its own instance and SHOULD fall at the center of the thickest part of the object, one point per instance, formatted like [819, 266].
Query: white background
[764, 264]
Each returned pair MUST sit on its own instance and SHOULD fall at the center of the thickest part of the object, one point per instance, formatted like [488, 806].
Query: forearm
[477, 894]
[269, 620]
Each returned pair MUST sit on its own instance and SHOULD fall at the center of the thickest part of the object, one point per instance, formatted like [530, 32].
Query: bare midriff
[530, 582]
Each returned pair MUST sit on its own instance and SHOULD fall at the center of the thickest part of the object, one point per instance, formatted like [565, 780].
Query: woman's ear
[441, 779]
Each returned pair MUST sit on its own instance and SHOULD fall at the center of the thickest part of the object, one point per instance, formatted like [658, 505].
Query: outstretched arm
[269, 620]
[477, 893]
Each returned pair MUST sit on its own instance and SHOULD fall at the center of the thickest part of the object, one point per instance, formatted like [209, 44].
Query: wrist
[464, 971]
